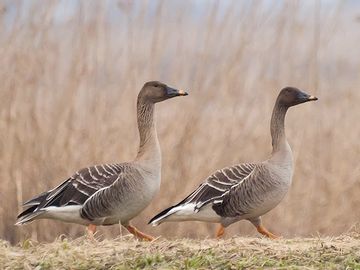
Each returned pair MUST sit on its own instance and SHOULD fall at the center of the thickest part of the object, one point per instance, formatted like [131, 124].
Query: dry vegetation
[235, 253]
[70, 72]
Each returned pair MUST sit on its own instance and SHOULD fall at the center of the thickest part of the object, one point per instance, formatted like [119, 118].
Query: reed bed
[70, 73]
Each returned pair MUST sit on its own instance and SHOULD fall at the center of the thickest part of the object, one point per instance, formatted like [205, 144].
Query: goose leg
[261, 229]
[91, 229]
[220, 232]
[140, 235]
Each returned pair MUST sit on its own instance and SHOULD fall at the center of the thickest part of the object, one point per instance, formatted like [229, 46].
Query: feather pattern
[247, 195]
[212, 190]
[83, 184]
[105, 201]
[216, 184]
[77, 189]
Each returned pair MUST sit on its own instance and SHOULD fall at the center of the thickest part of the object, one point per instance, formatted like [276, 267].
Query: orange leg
[140, 235]
[220, 232]
[261, 229]
[91, 228]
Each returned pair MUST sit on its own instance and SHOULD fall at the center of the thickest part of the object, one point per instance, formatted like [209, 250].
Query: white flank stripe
[214, 187]
[242, 181]
[222, 183]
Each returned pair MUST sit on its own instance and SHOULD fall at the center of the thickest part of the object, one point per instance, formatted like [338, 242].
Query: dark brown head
[155, 91]
[291, 96]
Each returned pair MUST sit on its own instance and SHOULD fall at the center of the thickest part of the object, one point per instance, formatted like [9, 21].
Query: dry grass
[235, 253]
[70, 74]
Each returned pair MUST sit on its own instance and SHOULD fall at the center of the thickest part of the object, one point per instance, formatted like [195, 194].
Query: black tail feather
[162, 213]
[27, 211]
[36, 200]
[29, 215]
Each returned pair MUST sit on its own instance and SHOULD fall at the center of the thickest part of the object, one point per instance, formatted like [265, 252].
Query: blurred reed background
[71, 70]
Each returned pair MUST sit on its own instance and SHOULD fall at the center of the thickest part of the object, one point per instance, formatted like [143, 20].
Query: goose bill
[171, 92]
[311, 98]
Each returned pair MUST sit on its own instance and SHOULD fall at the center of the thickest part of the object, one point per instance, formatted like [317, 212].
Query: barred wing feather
[217, 184]
[242, 198]
[213, 189]
[76, 189]
[105, 202]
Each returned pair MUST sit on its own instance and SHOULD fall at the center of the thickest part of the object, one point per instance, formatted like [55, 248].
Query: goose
[244, 191]
[111, 193]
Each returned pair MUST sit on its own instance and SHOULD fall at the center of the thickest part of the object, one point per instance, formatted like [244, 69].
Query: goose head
[291, 96]
[155, 91]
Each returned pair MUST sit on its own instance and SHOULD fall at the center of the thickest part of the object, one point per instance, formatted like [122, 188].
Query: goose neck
[277, 128]
[149, 148]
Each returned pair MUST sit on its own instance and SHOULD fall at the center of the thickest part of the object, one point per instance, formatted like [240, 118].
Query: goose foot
[138, 234]
[220, 232]
[261, 229]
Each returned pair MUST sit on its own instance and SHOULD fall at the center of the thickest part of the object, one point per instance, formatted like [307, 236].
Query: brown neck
[149, 148]
[277, 127]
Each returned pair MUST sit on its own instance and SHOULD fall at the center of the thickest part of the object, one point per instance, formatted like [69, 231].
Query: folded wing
[107, 201]
[74, 191]
[213, 189]
[218, 183]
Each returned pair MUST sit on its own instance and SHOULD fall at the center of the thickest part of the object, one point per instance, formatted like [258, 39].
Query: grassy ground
[235, 253]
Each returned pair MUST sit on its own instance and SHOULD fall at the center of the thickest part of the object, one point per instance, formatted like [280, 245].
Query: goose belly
[131, 205]
[269, 200]
[126, 211]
